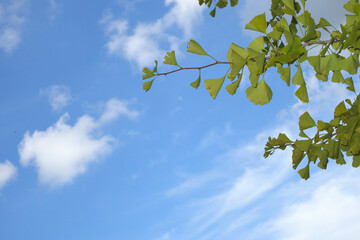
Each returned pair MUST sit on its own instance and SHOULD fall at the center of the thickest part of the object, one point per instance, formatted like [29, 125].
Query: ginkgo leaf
[196, 83]
[232, 87]
[298, 78]
[303, 145]
[349, 81]
[233, 2]
[305, 172]
[257, 44]
[306, 121]
[340, 109]
[285, 74]
[148, 73]
[194, 47]
[237, 64]
[297, 157]
[222, 3]
[170, 59]
[214, 86]
[337, 77]
[258, 24]
[323, 23]
[302, 94]
[356, 161]
[261, 94]
[147, 85]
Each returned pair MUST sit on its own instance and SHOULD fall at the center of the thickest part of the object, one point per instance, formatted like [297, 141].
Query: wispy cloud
[261, 196]
[142, 44]
[59, 96]
[63, 151]
[7, 172]
[54, 9]
[12, 18]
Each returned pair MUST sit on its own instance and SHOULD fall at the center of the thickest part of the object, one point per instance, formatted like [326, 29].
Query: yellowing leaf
[258, 24]
[298, 78]
[147, 85]
[306, 121]
[302, 94]
[305, 172]
[232, 87]
[340, 109]
[196, 83]
[285, 74]
[261, 94]
[214, 86]
[170, 59]
[194, 47]
[148, 73]
[237, 64]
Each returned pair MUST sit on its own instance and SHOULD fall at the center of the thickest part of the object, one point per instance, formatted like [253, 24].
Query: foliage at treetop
[285, 45]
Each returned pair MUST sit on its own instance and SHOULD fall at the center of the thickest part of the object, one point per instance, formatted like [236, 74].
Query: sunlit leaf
[232, 87]
[305, 172]
[196, 83]
[261, 94]
[258, 23]
[214, 86]
[194, 47]
[147, 85]
[302, 94]
[170, 59]
[306, 121]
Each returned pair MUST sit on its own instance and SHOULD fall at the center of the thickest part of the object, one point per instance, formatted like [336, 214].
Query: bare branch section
[267, 58]
[193, 68]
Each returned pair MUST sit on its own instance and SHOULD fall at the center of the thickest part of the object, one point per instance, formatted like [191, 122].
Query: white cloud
[331, 211]
[59, 96]
[62, 151]
[12, 18]
[143, 44]
[7, 172]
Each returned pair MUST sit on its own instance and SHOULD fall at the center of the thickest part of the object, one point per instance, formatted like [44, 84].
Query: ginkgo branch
[192, 68]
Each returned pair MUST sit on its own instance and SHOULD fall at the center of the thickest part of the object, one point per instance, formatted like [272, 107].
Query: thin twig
[192, 68]
[267, 58]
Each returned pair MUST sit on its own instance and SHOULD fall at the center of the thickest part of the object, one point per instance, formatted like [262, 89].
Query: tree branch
[192, 68]
[267, 58]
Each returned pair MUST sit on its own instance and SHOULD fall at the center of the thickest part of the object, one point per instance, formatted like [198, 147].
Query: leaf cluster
[285, 42]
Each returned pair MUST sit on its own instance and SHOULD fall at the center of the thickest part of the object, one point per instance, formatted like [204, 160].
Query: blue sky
[87, 154]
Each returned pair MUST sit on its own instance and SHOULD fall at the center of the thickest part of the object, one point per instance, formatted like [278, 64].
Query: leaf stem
[192, 68]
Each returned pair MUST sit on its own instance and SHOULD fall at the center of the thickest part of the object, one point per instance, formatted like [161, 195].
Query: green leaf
[282, 139]
[258, 24]
[333, 148]
[303, 145]
[323, 155]
[289, 4]
[356, 161]
[340, 109]
[340, 159]
[214, 86]
[196, 83]
[349, 5]
[233, 3]
[350, 64]
[302, 94]
[261, 94]
[337, 77]
[298, 78]
[349, 81]
[297, 157]
[213, 12]
[147, 85]
[355, 144]
[222, 3]
[148, 73]
[305, 172]
[323, 23]
[232, 87]
[170, 59]
[194, 47]
[257, 44]
[306, 121]
[237, 64]
[285, 74]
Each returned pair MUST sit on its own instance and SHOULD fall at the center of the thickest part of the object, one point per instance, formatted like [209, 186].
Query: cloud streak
[12, 18]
